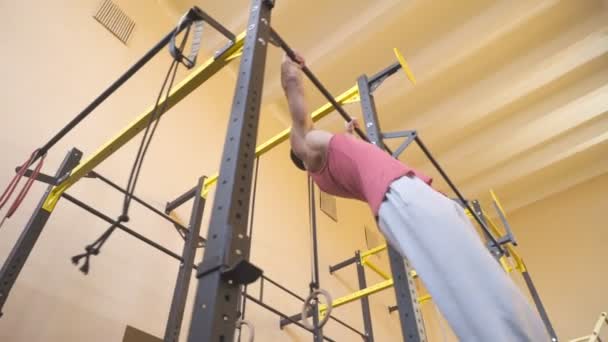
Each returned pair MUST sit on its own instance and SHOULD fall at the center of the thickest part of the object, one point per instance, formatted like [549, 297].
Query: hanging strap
[197, 34]
[152, 125]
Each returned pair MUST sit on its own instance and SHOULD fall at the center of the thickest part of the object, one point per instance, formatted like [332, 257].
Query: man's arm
[291, 80]
[308, 144]
[302, 124]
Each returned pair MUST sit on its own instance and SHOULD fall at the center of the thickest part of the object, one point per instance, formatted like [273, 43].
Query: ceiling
[511, 95]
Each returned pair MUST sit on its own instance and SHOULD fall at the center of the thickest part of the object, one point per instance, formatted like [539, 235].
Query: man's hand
[350, 126]
[290, 71]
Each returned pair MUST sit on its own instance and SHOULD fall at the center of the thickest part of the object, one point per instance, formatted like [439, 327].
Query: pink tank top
[360, 170]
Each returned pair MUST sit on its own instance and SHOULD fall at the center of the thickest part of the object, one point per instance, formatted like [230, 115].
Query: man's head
[297, 161]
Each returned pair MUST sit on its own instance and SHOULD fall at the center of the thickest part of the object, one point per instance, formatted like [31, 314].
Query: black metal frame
[412, 328]
[27, 239]
[539, 305]
[225, 266]
[184, 275]
[365, 309]
[194, 13]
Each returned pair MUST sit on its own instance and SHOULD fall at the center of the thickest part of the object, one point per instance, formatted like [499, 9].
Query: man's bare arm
[291, 80]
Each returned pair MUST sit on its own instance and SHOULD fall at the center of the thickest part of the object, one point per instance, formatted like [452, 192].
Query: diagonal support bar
[185, 87]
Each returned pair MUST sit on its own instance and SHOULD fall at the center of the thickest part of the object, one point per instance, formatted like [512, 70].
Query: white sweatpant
[477, 298]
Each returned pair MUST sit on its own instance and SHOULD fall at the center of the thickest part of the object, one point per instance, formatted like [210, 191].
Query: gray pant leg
[480, 301]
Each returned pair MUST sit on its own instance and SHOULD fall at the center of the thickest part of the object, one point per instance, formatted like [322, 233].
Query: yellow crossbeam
[519, 264]
[180, 91]
[358, 295]
[375, 268]
[365, 293]
[373, 251]
[271, 143]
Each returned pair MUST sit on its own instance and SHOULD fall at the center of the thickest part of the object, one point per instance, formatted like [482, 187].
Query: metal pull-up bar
[275, 38]
[195, 13]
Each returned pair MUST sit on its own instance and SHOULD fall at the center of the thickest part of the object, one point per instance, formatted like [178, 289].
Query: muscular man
[476, 297]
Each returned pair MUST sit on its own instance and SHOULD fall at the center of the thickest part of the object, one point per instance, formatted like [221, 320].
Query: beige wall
[58, 60]
[563, 240]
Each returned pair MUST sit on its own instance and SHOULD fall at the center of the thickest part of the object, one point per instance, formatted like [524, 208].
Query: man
[479, 301]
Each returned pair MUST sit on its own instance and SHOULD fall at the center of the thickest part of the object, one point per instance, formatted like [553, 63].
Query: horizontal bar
[370, 290]
[109, 91]
[293, 294]
[122, 227]
[185, 87]
[347, 299]
[344, 324]
[349, 261]
[183, 230]
[279, 313]
[373, 251]
[337, 106]
[376, 269]
[457, 192]
[177, 257]
[183, 198]
[282, 136]
[214, 23]
[271, 143]
[380, 76]
[519, 265]
[41, 177]
[341, 265]
[366, 292]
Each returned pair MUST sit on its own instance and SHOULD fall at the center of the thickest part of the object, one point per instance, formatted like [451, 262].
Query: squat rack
[225, 266]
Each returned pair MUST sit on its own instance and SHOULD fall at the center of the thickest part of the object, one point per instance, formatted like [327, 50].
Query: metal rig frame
[225, 267]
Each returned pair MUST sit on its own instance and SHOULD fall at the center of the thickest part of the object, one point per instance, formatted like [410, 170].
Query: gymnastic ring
[242, 322]
[307, 304]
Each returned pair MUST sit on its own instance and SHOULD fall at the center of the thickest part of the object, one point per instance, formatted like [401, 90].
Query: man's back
[356, 169]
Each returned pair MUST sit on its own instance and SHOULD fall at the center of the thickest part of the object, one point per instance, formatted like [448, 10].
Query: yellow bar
[512, 252]
[375, 268]
[365, 293]
[271, 143]
[519, 265]
[504, 264]
[185, 87]
[498, 203]
[372, 251]
[424, 298]
[404, 66]
[358, 295]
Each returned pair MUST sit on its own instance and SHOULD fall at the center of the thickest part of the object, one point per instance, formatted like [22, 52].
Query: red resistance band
[8, 192]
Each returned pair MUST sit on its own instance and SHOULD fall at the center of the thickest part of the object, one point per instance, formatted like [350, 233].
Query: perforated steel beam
[27, 239]
[412, 327]
[217, 301]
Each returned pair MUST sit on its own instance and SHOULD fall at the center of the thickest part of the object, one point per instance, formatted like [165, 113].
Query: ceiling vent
[115, 20]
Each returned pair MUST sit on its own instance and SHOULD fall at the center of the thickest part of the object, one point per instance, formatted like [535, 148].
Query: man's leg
[480, 301]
